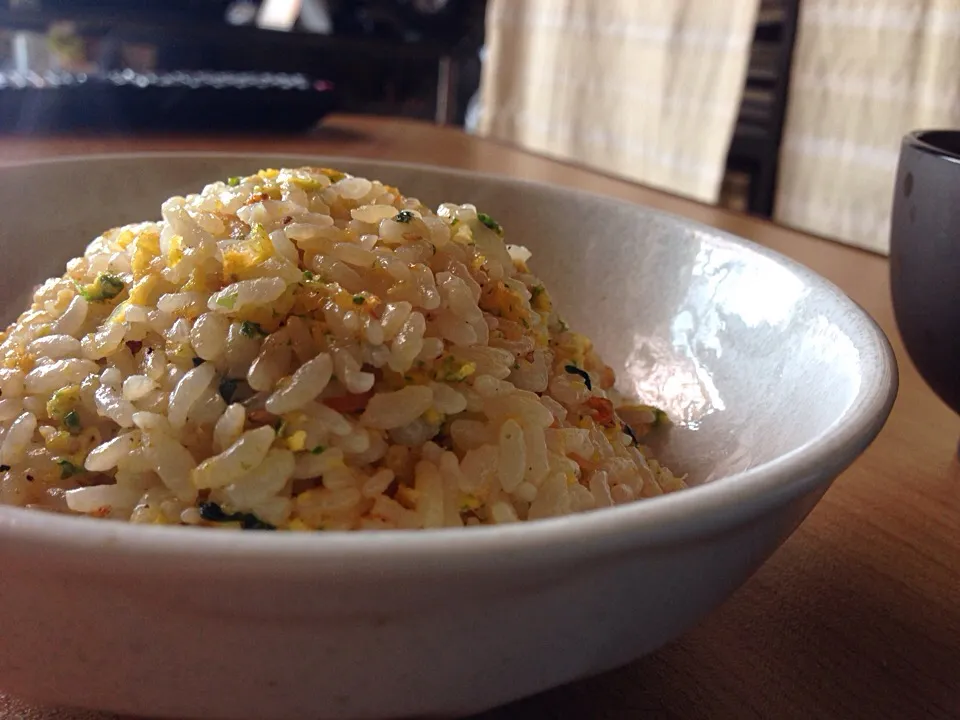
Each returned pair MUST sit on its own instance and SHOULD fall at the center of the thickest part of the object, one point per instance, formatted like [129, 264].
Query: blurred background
[788, 109]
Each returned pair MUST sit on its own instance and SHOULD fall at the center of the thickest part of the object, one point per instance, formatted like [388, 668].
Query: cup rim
[926, 141]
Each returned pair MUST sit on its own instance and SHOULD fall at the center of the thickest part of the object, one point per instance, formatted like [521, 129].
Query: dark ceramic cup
[925, 257]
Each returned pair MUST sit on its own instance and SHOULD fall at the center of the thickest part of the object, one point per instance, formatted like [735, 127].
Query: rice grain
[307, 350]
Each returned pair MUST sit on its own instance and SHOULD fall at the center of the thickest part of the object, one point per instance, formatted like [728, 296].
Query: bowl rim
[926, 141]
[695, 512]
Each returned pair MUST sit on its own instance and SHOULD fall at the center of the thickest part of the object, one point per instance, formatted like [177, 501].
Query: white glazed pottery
[775, 379]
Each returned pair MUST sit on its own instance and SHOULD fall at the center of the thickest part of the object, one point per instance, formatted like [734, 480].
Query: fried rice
[303, 349]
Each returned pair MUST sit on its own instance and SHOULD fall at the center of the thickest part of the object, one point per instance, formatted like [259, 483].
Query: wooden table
[856, 616]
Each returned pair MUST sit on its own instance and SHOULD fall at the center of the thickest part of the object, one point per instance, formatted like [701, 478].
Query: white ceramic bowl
[776, 380]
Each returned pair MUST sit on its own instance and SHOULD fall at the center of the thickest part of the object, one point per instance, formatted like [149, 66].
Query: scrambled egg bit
[247, 254]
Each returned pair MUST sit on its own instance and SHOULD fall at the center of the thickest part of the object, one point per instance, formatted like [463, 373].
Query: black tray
[127, 101]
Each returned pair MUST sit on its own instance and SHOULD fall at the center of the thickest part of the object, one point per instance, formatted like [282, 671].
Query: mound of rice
[307, 350]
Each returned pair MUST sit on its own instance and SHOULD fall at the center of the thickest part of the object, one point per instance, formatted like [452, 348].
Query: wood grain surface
[856, 616]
